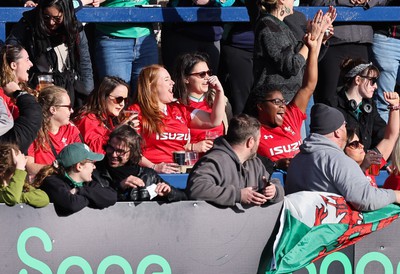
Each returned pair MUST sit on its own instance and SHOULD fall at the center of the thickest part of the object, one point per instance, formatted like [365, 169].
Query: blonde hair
[48, 97]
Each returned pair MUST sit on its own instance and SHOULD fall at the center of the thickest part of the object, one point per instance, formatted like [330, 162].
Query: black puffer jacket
[113, 176]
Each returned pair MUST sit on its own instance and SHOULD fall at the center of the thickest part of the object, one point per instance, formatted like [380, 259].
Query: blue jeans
[125, 57]
[386, 54]
[305, 129]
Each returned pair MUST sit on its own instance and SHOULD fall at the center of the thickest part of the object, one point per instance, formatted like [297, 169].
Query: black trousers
[329, 69]
[236, 75]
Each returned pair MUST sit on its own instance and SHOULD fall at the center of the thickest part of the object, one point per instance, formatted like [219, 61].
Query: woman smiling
[102, 113]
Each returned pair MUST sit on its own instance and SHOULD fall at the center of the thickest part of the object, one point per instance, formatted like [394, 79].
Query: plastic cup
[179, 157]
[191, 157]
[374, 169]
[129, 113]
[44, 80]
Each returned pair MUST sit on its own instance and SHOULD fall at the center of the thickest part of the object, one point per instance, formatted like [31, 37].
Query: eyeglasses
[354, 145]
[65, 106]
[277, 101]
[119, 152]
[119, 99]
[57, 19]
[371, 79]
[202, 74]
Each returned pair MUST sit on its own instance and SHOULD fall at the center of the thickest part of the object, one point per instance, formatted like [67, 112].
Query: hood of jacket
[315, 142]
[221, 144]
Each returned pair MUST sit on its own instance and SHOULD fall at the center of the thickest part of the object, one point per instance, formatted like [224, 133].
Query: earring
[287, 10]
[282, 12]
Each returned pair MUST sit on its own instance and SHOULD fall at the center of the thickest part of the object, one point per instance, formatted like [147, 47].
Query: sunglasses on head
[354, 144]
[119, 99]
[202, 74]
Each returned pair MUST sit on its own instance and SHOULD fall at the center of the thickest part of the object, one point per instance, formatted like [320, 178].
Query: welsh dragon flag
[314, 224]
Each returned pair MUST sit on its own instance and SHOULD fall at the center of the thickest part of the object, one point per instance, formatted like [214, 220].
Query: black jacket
[78, 74]
[93, 194]
[27, 125]
[113, 176]
[370, 125]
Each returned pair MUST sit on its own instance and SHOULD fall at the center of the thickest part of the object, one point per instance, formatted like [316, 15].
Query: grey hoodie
[322, 165]
[219, 176]
[6, 120]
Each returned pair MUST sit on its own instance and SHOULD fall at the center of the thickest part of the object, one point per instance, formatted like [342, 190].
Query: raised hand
[19, 159]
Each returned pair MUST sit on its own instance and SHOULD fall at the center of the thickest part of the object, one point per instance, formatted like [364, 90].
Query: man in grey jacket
[322, 165]
[231, 173]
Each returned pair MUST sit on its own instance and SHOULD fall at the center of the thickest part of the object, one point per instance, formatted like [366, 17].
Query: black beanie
[325, 119]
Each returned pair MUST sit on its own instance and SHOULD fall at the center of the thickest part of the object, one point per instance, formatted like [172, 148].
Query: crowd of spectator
[92, 143]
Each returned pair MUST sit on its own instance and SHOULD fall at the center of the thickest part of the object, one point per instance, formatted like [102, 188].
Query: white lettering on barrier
[79, 261]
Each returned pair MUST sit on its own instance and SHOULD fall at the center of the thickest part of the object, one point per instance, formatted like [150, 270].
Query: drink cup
[374, 169]
[129, 113]
[179, 157]
[44, 80]
[191, 157]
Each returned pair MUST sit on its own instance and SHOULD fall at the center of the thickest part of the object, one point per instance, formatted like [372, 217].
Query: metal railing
[227, 14]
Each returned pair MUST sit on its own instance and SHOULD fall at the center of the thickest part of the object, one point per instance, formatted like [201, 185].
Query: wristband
[391, 107]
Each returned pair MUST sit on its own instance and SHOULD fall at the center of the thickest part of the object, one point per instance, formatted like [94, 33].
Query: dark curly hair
[131, 139]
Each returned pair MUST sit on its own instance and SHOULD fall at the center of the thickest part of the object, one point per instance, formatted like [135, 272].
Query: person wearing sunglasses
[164, 123]
[121, 170]
[56, 43]
[281, 122]
[192, 88]
[381, 153]
[354, 100]
[56, 132]
[103, 112]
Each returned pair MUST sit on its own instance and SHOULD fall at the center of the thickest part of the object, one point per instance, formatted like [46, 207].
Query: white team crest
[289, 129]
[266, 137]
[64, 141]
[179, 118]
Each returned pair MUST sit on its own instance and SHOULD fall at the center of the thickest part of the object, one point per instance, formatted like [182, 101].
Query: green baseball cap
[75, 153]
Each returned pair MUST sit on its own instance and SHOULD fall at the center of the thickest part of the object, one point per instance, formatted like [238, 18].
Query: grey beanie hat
[325, 119]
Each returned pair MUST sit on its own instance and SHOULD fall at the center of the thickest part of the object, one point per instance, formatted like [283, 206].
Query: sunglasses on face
[354, 145]
[372, 80]
[119, 99]
[65, 106]
[202, 74]
[277, 101]
[56, 19]
[119, 152]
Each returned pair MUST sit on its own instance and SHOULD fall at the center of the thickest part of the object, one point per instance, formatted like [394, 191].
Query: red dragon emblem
[354, 219]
